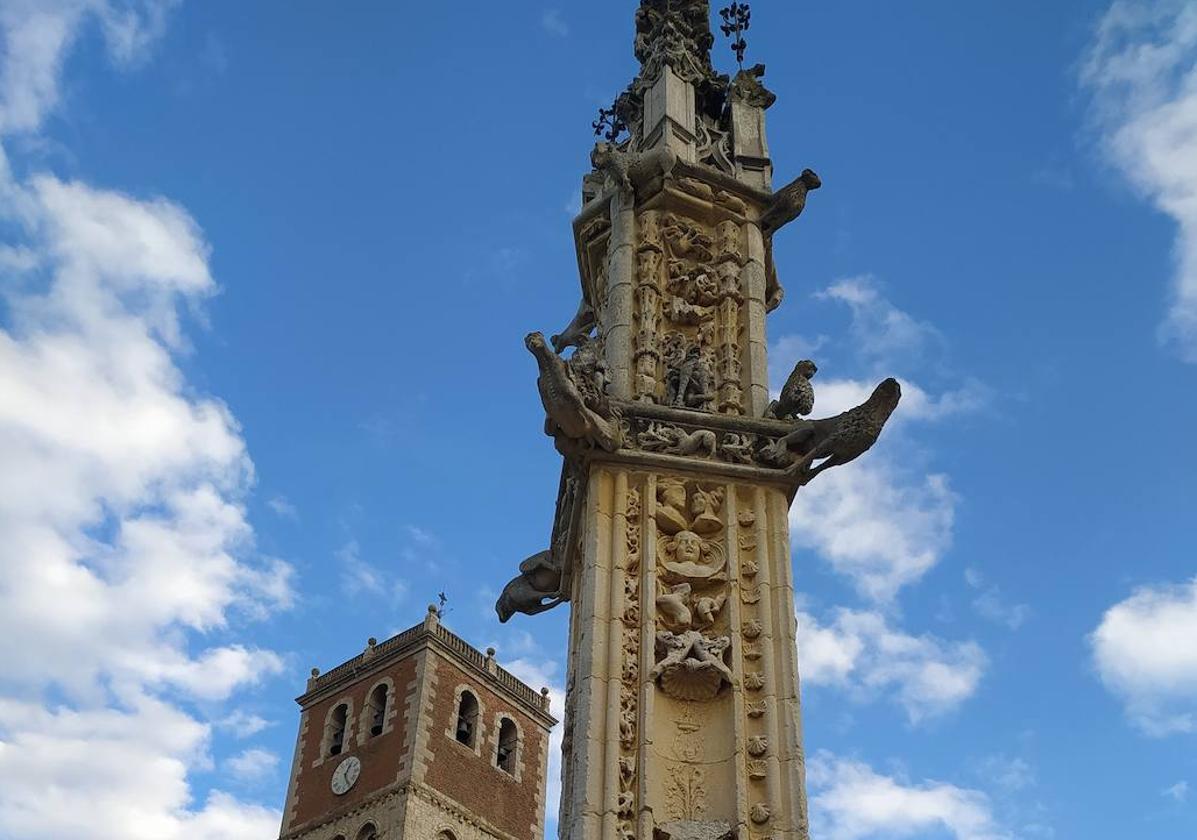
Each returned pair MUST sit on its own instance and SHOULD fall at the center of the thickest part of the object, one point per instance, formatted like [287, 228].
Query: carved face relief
[687, 556]
[688, 547]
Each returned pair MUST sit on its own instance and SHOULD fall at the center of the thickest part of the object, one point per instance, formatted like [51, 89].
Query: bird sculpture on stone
[846, 436]
[565, 407]
[797, 398]
[787, 204]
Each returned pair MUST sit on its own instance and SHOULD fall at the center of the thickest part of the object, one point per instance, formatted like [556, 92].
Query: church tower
[421, 737]
[671, 538]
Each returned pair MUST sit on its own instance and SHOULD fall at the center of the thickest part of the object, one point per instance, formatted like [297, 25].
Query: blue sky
[266, 268]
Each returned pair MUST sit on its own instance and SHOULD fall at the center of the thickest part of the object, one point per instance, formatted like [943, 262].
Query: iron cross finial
[736, 19]
[609, 124]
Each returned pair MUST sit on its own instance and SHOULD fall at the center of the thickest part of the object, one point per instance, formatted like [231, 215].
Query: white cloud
[252, 765]
[37, 34]
[1178, 792]
[880, 331]
[1008, 773]
[862, 654]
[553, 23]
[282, 507]
[123, 489]
[876, 520]
[1142, 72]
[990, 604]
[851, 801]
[875, 524]
[359, 577]
[112, 773]
[243, 724]
[1145, 654]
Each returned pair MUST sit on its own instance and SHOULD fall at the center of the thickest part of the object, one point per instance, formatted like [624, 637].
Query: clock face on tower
[345, 775]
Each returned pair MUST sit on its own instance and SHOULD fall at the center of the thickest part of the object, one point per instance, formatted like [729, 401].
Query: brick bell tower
[419, 737]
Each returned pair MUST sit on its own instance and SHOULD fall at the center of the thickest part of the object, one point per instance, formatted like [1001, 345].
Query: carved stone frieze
[688, 293]
[630, 673]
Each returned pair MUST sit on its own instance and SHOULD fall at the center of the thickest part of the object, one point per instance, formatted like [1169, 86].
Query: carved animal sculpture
[846, 436]
[797, 395]
[707, 608]
[578, 330]
[614, 163]
[672, 440]
[565, 407]
[539, 578]
[788, 203]
[671, 604]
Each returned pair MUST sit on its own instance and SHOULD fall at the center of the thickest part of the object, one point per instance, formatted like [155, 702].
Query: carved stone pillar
[671, 539]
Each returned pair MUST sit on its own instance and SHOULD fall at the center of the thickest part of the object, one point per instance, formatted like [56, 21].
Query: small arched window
[336, 729]
[509, 739]
[467, 719]
[368, 832]
[376, 709]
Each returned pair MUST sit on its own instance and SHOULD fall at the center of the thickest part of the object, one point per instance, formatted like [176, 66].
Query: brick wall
[509, 802]
[384, 757]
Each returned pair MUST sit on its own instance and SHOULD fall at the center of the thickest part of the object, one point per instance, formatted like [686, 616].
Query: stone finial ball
[490, 652]
[315, 672]
[371, 641]
[544, 691]
[432, 608]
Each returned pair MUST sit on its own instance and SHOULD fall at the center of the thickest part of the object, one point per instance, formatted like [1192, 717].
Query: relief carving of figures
[687, 239]
[737, 448]
[673, 440]
[648, 307]
[565, 404]
[728, 242]
[688, 382]
[680, 608]
[687, 556]
[690, 666]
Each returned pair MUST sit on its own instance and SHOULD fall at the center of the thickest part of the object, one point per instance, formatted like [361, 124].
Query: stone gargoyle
[566, 411]
[536, 589]
[837, 439]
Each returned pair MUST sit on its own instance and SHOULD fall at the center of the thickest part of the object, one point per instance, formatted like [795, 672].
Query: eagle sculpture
[797, 397]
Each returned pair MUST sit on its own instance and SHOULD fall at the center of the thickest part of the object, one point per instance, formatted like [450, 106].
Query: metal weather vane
[736, 19]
